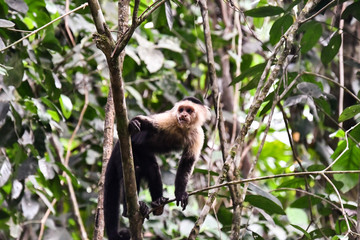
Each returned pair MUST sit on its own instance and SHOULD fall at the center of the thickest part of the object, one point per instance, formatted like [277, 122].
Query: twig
[107, 149]
[256, 179]
[310, 194]
[341, 63]
[237, 72]
[318, 12]
[212, 148]
[346, 148]
[335, 82]
[67, 28]
[66, 163]
[43, 220]
[68, 179]
[122, 41]
[340, 200]
[221, 126]
[46, 25]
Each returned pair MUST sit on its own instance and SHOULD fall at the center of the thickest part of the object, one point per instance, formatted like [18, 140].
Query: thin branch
[310, 194]
[68, 179]
[107, 149]
[256, 179]
[346, 148]
[122, 41]
[46, 25]
[44, 218]
[237, 72]
[135, 11]
[335, 82]
[341, 63]
[340, 200]
[67, 28]
[220, 120]
[66, 163]
[318, 12]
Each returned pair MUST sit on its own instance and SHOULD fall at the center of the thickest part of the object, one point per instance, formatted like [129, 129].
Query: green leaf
[256, 236]
[4, 214]
[169, 15]
[205, 172]
[50, 41]
[297, 216]
[15, 75]
[292, 5]
[293, 183]
[348, 161]
[253, 71]
[303, 202]
[311, 36]
[264, 11]
[279, 28]
[74, 180]
[66, 106]
[6, 23]
[319, 233]
[310, 89]
[225, 216]
[252, 84]
[302, 230]
[316, 167]
[352, 10]
[329, 52]
[159, 17]
[5, 170]
[349, 112]
[264, 203]
[266, 108]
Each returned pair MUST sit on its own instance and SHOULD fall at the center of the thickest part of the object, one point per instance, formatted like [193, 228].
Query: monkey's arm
[190, 155]
[141, 123]
[182, 177]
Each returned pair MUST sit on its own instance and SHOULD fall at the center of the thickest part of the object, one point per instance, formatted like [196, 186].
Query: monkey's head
[190, 112]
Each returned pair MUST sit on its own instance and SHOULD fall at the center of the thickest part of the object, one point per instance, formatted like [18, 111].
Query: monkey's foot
[144, 209]
[182, 199]
[124, 234]
[158, 205]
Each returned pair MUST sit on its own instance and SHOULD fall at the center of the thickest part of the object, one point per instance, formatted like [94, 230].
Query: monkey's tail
[112, 188]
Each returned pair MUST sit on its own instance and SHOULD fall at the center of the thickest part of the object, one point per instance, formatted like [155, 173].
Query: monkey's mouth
[183, 120]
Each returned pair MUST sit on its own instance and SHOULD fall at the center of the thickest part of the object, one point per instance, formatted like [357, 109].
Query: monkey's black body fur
[150, 135]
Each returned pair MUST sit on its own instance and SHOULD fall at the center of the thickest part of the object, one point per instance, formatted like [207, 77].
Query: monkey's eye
[181, 110]
[189, 110]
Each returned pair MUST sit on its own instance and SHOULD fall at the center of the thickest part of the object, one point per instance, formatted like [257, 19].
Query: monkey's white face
[185, 115]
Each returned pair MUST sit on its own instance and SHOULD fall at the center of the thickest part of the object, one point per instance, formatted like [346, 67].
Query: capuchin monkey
[177, 129]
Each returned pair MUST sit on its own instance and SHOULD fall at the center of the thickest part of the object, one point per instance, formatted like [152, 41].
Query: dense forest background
[281, 79]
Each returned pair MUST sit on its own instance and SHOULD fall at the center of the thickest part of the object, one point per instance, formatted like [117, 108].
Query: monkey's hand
[182, 198]
[158, 205]
[135, 125]
[144, 209]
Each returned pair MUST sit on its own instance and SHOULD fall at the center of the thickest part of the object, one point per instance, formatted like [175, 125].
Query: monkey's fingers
[184, 203]
[144, 210]
[182, 199]
[135, 126]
